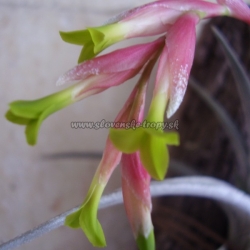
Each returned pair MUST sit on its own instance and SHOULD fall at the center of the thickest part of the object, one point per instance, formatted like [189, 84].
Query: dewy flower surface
[142, 151]
[92, 77]
[86, 216]
[150, 19]
[171, 81]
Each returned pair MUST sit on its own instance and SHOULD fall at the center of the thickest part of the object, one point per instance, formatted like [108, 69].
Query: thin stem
[191, 186]
[228, 125]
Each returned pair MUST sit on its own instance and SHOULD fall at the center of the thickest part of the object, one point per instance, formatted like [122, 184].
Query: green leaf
[144, 243]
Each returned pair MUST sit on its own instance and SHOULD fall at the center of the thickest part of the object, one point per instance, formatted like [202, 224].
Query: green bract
[146, 243]
[94, 40]
[150, 143]
[86, 217]
[32, 113]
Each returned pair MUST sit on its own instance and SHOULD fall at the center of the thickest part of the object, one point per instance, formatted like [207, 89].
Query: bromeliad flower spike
[147, 20]
[86, 216]
[92, 77]
[141, 150]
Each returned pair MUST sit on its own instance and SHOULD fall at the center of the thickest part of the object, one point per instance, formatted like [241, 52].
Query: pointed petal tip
[169, 112]
[176, 97]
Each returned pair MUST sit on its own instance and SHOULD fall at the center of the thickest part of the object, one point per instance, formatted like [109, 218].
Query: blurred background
[34, 187]
[40, 182]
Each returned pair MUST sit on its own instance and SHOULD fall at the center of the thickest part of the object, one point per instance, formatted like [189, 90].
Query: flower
[176, 61]
[142, 150]
[32, 113]
[151, 145]
[92, 77]
[137, 200]
[147, 20]
[86, 216]
[171, 82]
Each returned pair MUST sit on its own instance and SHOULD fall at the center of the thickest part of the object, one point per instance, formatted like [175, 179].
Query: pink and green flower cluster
[142, 152]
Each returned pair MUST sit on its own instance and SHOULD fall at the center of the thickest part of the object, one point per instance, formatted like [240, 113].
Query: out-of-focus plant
[140, 147]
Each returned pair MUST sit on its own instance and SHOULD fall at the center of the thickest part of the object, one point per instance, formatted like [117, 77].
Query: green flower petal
[94, 40]
[144, 243]
[32, 113]
[86, 217]
[126, 140]
[87, 53]
[78, 37]
[151, 144]
[33, 126]
[98, 38]
[170, 138]
[81, 37]
[154, 156]
[72, 220]
[16, 119]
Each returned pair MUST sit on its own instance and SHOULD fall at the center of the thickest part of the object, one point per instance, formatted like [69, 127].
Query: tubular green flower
[86, 216]
[171, 81]
[137, 200]
[92, 77]
[32, 113]
[94, 40]
[150, 143]
[147, 20]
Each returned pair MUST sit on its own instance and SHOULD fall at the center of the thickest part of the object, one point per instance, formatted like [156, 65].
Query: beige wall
[32, 57]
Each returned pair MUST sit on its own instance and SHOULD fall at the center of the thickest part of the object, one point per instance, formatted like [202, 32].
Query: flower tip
[74, 37]
[11, 117]
[86, 217]
[96, 236]
[170, 111]
[89, 223]
[173, 105]
[146, 243]
[61, 80]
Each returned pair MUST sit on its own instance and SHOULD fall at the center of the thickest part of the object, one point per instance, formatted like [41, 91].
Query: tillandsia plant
[141, 149]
